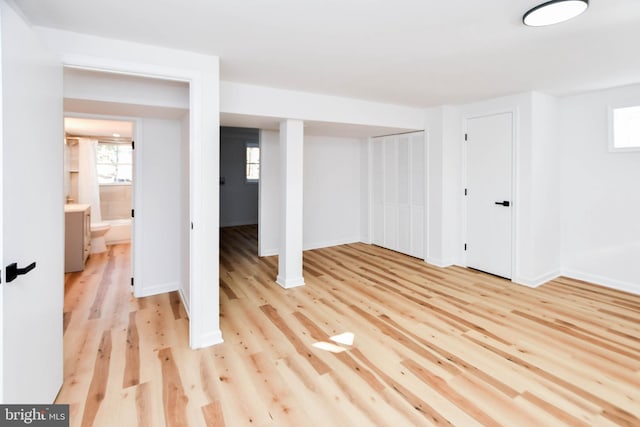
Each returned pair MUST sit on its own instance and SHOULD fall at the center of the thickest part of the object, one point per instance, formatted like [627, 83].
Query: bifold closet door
[404, 187]
[398, 193]
[417, 193]
[377, 202]
[390, 194]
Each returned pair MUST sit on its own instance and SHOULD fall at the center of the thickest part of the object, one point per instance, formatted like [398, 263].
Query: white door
[397, 206]
[32, 215]
[489, 190]
[377, 179]
[159, 225]
[391, 207]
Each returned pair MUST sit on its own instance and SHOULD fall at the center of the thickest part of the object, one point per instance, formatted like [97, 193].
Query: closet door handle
[12, 271]
[504, 203]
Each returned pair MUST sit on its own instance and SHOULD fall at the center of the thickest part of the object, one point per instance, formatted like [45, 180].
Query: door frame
[514, 187]
[135, 186]
[1, 219]
[200, 332]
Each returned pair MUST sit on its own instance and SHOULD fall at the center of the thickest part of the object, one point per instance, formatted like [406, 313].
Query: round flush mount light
[554, 12]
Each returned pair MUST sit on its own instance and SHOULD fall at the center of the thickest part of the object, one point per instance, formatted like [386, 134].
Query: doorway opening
[98, 175]
[240, 182]
[141, 129]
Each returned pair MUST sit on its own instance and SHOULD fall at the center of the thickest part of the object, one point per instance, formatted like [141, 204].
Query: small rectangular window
[253, 162]
[625, 129]
[114, 163]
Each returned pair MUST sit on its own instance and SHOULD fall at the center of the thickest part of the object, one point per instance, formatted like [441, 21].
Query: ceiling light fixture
[554, 12]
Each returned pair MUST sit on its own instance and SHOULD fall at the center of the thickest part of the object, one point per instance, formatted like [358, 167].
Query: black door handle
[505, 203]
[12, 271]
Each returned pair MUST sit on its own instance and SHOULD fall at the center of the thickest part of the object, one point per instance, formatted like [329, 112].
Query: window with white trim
[625, 129]
[114, 162]
[252, 162]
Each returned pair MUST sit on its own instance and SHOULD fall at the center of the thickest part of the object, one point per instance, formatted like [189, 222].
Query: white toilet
[98, 230]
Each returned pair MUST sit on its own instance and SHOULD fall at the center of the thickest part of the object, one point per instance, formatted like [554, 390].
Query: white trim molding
[607, 282]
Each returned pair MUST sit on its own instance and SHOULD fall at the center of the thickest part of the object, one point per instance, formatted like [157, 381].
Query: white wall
[546, 193]
[332, 192]
[109, 87]
[600, 193]
[262, 101]
[238, 198]
[158, 202]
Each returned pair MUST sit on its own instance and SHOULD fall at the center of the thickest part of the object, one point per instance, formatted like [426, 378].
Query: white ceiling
[78, 126]
[410, 52]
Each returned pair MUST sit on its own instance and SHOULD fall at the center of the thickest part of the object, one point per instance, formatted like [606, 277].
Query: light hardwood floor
[431, 346]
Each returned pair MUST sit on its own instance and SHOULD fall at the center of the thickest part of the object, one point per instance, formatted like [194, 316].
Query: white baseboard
[329, 243]
[269, 252]
[206, 340]
[536, 281]
[607, 282]
[438, 262]
[161, 288]
[290, 283]
[184, 302]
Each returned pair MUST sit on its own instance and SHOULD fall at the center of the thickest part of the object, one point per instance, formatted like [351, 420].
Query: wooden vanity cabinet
[77, 236]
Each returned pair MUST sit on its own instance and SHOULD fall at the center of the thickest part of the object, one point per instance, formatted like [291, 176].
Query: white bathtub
[120, 231]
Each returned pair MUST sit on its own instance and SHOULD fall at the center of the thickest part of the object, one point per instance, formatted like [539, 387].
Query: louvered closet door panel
[417, 194]
[417, 232]
[403, 163]
[404, 187]
[417, 169]
[390, 171]
[390, 194]
[398, 193]
[404, 229]
[377, 169]
[391, 227]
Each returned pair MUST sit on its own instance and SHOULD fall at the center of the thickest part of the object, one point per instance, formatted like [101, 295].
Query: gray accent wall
[238, 198]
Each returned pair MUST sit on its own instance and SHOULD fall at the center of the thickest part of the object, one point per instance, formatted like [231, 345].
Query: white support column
[291, 159]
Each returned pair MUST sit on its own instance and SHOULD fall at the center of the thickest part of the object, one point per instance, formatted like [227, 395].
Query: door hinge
[133, 213]
[465, 246]
[132, 281]
[133, 145]
[466, 136]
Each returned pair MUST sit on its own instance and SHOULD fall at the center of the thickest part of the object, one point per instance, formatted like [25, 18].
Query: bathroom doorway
[99, 174]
